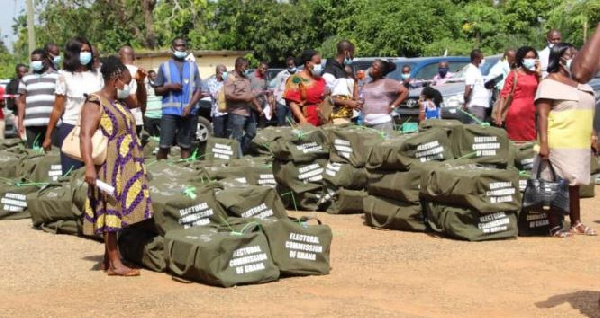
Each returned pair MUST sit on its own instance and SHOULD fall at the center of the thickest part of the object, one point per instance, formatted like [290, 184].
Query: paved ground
[375, 273]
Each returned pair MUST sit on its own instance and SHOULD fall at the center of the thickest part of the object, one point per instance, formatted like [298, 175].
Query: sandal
[130, 273]
[560, 233]
[581, 229]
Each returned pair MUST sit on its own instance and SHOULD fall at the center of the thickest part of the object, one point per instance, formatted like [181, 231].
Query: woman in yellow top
[107, 213]
[565, 112]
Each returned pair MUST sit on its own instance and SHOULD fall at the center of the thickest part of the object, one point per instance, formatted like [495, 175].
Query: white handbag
[72, 145]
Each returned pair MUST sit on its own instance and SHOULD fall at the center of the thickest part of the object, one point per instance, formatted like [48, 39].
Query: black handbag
[545, 195]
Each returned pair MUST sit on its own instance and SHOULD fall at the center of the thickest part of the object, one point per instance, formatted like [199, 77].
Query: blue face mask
[405, 76]
[316, 71]
[180, 54]
[85, 58]
[529, 64]
[292, 70]
[36, 66]
[224, 75]
[57, 59]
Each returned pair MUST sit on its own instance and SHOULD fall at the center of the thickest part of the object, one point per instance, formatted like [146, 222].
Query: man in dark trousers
[178, 82]
[12, 88]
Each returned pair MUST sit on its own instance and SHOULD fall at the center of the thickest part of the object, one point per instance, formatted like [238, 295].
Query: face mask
[292, 70]
[405, 76]
[85, 58]
[123, 93]
[316, 71]
[550, 45]
[224, 75]
[36, 65]
[529, 64]
[180, 55]
[57, 59]
[442, 71]
[567, 66]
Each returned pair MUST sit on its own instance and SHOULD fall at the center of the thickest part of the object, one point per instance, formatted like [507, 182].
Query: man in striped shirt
[36, 98]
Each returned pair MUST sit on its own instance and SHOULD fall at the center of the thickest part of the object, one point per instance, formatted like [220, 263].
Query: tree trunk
[148, 7]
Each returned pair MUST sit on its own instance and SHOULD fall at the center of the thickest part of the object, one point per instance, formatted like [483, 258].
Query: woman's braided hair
[112, 68]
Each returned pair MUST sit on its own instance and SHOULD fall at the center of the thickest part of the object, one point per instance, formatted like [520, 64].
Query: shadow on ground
[587, 302]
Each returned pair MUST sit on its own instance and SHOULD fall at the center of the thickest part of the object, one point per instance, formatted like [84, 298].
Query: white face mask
[550, 45]
[123, 93]
[567, 66]
[316, 71]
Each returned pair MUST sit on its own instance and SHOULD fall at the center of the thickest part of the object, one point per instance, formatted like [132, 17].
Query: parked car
[452, 92]
[425, 68]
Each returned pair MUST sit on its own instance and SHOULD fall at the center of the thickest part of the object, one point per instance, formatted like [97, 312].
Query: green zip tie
[191, 192]
[523, 173]
[36, 144]
[469, 155]
[36, 184]
[293, 199]
[474, 118]
[69, 172]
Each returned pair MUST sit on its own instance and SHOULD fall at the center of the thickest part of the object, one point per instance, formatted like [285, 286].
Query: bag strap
[539, 170]
[175, 268]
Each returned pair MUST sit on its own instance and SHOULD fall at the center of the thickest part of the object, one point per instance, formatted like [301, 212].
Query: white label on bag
[55, 172]
[267, 180]
[493, 223]
[333, 168]
[527, 164]
[501, 192]
[197, 215]
[13, 202]
[222, 151]
[536, 220]
[248, 260]
[486, 146]
[303, 247]
[522, 185]
[311, 173]
[343, 148]
[428, 151]
[261, 212]
[309, 147]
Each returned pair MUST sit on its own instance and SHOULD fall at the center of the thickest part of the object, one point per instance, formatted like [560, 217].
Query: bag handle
[175, 268]
[539, 170]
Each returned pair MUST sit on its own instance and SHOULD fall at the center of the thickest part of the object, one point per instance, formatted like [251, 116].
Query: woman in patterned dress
[305, 90]
[124, 167]
[565, 112]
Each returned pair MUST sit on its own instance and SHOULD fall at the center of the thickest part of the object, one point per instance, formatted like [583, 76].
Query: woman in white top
[77, 80]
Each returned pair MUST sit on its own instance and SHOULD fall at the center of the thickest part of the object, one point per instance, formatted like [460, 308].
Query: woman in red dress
[305, 90]
[520, 119]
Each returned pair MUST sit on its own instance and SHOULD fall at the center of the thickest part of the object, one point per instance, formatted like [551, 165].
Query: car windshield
[485, 69]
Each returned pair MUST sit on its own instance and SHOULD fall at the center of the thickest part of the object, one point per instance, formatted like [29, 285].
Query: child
[430, 102]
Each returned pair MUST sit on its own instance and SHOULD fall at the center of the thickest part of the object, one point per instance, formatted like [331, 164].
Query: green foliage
[274, 29]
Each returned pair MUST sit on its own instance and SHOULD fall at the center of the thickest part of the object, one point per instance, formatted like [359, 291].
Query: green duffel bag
[178, 206]
[12, 143]
[469, 224]
[40, 167]
[252, 174]
[390, 214]
[250, 162]
[65, 227]
[594, 165]
[220, 258]
[165, 170]
[222, 149]
[80, 191]
[151, 147]
[261, 177]
[52, 203]
[525, 154]
[485, 145]
[261, 144]
[300, 178]
[484, 189]
[399, 154]
[346, 201]
[299, 248]
[9, 163]
[252, 202]
[13, 201]
[345, 175]
[349, 145]
[316, 200]
[453, 127]
[141, 245]
[303, 144]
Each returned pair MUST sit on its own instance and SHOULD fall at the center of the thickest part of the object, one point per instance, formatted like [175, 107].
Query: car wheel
[203, 129]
